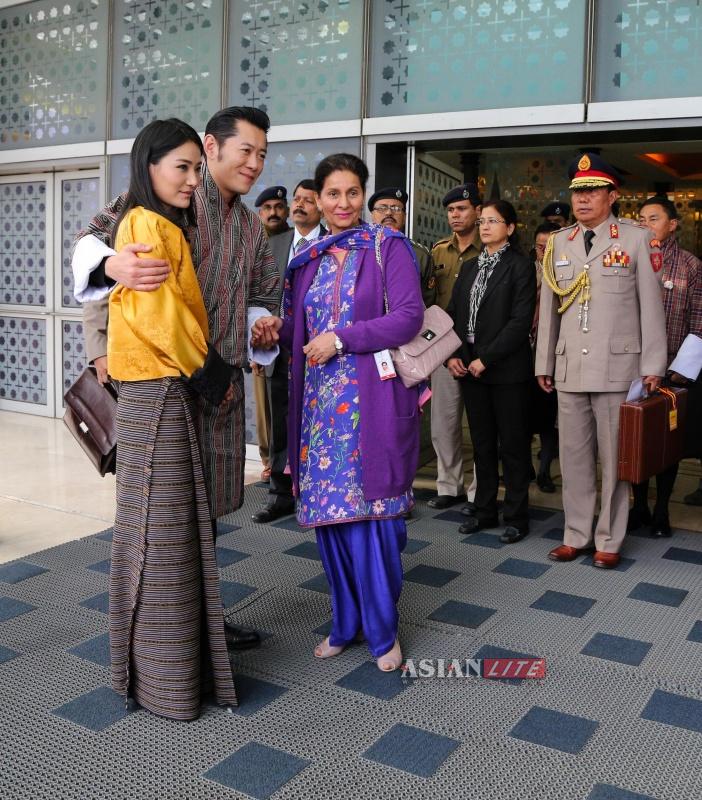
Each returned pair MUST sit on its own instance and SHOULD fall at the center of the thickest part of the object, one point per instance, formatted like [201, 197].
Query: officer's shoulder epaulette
[566, 228]
[447, 240]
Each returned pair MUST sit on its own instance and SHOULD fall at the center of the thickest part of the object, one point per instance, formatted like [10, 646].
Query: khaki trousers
[263, 417]
[588, 426]
[447, 434]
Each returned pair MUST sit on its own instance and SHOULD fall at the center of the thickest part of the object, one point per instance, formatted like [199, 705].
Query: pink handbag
[415, 361]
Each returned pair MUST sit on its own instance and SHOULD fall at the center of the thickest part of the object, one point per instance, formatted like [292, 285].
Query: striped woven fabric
[166, 621]
[236, 270]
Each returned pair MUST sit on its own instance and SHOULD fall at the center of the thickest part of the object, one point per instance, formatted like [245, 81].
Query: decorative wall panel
[23, 362]
[432, 180]
[80, 201]
[119, 176]
[23, 243]
[53, 73]
[299, 61]
[530, 181]
[167, 62]
[73, 359]
[288, 163]
[646, 49]
[461, 55]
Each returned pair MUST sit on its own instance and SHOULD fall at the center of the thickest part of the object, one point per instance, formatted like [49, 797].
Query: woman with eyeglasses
[492, 307]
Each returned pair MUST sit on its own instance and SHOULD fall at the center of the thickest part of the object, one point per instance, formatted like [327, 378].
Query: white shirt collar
[313, 234]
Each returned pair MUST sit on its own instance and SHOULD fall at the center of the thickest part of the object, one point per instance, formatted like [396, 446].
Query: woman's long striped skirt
[166, 619]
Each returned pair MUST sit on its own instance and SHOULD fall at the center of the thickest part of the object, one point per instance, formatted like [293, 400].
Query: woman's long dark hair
[152, 143]
[508, 213]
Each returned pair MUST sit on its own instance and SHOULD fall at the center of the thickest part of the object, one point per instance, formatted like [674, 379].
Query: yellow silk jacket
[161, 333]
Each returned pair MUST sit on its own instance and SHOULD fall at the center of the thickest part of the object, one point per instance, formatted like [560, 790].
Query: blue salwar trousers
[363, 564]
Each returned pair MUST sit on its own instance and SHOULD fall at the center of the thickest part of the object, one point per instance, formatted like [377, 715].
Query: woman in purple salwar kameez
[353, 432]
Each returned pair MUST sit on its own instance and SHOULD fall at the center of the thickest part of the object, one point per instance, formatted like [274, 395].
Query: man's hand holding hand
[264, 332]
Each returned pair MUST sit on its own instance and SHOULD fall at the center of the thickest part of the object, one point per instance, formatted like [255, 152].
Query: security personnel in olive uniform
[462, 206]
[388, 207]
[601, 326]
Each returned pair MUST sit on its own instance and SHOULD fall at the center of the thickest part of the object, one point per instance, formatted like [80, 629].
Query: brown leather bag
[651, 434]
[91, 416]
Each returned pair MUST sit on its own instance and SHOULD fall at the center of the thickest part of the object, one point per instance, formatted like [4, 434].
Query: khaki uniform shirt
[625, 337]
[448, 260]
[426, 273]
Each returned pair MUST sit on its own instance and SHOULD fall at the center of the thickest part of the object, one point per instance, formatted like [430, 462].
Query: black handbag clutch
[91, 417]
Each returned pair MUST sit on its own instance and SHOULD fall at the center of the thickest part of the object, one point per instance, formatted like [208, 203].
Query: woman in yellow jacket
[166, 623]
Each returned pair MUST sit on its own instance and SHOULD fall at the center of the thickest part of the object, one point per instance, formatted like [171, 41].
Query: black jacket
[504, 318]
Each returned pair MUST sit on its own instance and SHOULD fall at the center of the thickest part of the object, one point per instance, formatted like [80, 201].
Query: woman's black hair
[340, 162]
[508, 213]
[152, 143]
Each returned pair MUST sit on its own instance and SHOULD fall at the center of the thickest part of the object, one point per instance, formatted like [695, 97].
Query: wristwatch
[339, 346]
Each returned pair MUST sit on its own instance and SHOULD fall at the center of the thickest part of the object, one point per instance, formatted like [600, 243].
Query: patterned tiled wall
[53, 73]
[80, 201]
[299, 61]
[431, 183]
[458, 55]
[167, 62]
[23, 363]
[119, 176]
[72, 352]
[648, 49]
[23, 243]
[289, 162]
[529, 182]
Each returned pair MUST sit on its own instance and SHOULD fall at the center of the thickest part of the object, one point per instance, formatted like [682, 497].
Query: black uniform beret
[388, 193]
[466, 191]
[272, 193]
[556, 210]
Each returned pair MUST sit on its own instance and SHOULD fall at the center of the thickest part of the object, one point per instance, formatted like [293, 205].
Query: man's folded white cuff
[87, 255]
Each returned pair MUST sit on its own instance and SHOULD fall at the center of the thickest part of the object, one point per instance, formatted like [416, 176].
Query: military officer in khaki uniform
[601, 326]
[462, 206]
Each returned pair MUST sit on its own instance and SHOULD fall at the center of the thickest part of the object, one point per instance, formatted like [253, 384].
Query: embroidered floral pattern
[330, 453]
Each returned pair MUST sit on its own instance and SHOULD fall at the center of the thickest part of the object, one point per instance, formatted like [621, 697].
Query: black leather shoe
[468, 509]
[545, 483]
[278, 508]
[638, 517]
[660, 529]
[446, 500]
[240, 638]
[473, 525]
[512, 535]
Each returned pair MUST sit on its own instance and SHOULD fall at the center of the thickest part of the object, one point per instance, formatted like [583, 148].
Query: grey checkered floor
[619, 714]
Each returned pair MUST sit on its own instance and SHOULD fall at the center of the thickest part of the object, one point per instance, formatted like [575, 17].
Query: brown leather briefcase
[651, 434]
[91, 416]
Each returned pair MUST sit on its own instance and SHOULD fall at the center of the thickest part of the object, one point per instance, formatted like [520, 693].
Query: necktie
[301, 242]
[589, 236]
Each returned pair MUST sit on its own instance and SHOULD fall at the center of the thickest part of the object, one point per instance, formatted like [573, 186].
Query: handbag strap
[379, 260]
